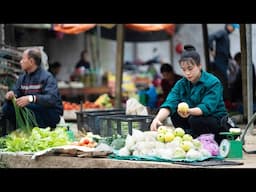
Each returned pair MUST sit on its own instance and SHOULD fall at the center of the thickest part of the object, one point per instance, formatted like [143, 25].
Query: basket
[89, 120]
[123, 124]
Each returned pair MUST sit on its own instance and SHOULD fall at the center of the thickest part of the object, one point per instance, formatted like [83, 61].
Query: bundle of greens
[25, 118]
[39, 139]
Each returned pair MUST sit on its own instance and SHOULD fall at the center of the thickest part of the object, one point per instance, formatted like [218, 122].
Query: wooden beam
[244, 66]
[206, 47]
[119, 65]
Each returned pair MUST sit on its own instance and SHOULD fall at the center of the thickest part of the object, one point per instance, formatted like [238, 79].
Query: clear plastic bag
[133, 107]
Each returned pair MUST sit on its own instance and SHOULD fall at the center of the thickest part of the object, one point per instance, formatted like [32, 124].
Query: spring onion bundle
[25, 118]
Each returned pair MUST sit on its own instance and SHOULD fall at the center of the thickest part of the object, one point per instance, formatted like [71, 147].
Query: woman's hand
[155, 123]
[196, 111]
[183, 114]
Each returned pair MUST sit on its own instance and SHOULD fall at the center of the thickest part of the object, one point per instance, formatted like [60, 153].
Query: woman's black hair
[189, 48]
[190, 53]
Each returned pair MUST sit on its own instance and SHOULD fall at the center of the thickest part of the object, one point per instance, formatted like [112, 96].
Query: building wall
[66, 50]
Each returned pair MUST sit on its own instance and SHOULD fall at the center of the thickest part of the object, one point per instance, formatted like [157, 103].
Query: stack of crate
[88, 120]
[123, 124]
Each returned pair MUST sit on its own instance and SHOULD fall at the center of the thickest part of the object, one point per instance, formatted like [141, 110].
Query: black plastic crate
[89, 120]
[123, 124]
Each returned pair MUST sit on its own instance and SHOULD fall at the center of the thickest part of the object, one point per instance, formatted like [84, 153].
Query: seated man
[37, 90]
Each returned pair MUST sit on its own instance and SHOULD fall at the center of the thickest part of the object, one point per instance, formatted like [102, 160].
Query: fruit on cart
[179, 132]
[162, 129]
[160, 137]
[187, 145]
[165, 134]
[168, 137]
[187, 137]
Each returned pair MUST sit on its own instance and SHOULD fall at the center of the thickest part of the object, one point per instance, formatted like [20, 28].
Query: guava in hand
[183, 107]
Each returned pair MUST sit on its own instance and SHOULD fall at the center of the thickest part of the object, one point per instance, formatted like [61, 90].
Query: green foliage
[115, 141]
[39, 139]
[25, 118]
[2, 143]
[118, 143]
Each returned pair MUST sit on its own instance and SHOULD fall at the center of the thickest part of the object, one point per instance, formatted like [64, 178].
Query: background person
[83, 62]
[37, 90]
[221, 50]
[202, 91]
[82, 67]
[219, 45]
[169, 78]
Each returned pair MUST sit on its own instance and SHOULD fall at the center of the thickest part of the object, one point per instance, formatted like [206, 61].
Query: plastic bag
[133, 107]
[209, 143]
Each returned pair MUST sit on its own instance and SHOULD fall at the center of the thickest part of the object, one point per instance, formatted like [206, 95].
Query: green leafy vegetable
[25, 118]
[39, 139]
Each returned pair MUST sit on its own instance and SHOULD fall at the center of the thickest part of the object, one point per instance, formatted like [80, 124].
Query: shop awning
[73, 28]
[79, 28]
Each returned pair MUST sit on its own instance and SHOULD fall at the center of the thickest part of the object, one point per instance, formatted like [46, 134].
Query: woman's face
[191, 71]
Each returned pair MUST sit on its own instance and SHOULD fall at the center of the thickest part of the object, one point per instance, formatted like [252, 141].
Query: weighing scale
[230, 147]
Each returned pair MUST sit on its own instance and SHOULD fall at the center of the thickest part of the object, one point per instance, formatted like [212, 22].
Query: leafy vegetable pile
[39, 139]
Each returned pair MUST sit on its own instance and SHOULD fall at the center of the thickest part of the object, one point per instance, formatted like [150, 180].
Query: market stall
[169, 148]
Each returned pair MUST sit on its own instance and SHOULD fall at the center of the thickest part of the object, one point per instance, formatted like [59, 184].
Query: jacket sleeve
[50, 94]
[16, 88]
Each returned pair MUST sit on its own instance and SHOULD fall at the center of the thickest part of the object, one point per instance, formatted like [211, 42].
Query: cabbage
[194, 155]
